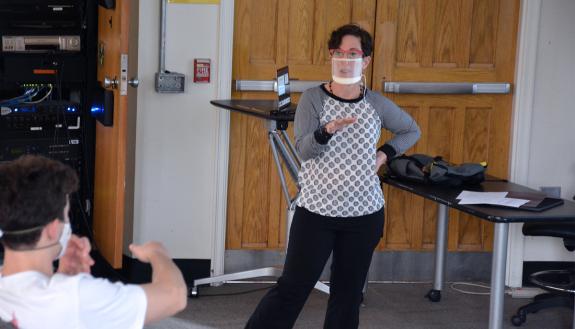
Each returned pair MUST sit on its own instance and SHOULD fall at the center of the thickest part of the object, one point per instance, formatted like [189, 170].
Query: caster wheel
[517, 320]
[434, 295]
[194, 292]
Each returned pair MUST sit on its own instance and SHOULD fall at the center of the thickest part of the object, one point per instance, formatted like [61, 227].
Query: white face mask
[64, 238]
[346, 71]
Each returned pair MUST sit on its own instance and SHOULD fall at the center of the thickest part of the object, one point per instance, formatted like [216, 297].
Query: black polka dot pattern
[341, 181]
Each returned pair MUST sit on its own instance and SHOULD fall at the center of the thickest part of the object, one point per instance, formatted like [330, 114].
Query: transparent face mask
[346, 70]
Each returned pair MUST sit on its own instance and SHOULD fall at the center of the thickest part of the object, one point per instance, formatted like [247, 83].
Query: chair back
[564, 230]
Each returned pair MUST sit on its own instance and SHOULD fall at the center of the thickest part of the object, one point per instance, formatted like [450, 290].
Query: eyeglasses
[351, 54]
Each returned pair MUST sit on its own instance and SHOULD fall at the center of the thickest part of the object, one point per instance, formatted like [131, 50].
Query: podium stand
[283, 151]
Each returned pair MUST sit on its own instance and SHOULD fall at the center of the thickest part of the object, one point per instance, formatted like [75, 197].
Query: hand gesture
[338, 124]
[76, 258]
[144, 252]
[380, 159]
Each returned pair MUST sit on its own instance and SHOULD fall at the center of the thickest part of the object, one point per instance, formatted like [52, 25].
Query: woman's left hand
[380, 159]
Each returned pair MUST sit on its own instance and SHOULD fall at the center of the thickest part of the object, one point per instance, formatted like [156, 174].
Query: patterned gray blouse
[338, 177]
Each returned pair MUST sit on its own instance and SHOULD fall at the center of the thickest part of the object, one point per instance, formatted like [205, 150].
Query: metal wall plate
[170, 82]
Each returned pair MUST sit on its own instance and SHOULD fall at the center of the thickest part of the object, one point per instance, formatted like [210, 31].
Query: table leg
[434, 294]
[283, 183]
[498, 275]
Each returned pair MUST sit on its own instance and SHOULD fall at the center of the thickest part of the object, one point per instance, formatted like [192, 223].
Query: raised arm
[306, 126]
[167, 293]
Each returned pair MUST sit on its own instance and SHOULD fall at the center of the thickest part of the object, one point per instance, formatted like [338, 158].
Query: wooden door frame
[524, 91]
[224, 91]
[110, 143]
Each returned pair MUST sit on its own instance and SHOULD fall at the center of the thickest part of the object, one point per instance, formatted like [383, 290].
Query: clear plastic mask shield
[346, 70]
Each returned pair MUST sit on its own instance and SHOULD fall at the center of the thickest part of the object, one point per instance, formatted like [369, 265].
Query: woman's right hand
[338, 124]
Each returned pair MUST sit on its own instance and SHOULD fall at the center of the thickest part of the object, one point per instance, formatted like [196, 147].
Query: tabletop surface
[447, 196]
[262, 108]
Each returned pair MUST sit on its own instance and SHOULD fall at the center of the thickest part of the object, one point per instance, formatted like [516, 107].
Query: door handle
[111, 83]
[296, 86]
[446, 88]
[134, 82]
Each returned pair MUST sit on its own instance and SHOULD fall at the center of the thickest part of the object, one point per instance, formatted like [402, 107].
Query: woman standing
[340, 206]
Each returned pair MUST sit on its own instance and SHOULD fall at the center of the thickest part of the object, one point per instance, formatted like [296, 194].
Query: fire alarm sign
[202, 70]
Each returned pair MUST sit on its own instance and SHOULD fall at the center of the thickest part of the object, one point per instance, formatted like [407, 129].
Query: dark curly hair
[33, 192]
[355, 30]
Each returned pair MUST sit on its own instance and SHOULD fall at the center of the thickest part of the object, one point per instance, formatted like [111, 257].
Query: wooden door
[447, 41]
[111, 145]
[269, 35]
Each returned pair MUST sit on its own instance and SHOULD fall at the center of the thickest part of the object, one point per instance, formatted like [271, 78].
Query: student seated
[35, 230]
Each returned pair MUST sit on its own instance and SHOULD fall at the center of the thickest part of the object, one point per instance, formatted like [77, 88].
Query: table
[446, 198]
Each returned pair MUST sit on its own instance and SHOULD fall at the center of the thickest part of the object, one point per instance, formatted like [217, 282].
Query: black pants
[312, 239]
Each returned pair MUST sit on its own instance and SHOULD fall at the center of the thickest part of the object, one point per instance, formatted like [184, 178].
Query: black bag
[422, 168]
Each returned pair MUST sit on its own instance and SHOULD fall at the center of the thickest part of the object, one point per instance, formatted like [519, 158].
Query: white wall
[177, 133]
[552, 149]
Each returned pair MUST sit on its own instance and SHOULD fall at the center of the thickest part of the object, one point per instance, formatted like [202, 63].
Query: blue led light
[96, 110]
[28, 109]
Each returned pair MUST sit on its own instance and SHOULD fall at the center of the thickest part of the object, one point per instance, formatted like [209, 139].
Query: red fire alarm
[202, 70]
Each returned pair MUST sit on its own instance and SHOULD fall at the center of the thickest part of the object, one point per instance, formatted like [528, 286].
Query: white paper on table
[480, 200]
[511, 202]
[481, 195]
[507, 202]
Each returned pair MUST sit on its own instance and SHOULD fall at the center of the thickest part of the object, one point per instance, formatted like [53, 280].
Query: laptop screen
[283, 88]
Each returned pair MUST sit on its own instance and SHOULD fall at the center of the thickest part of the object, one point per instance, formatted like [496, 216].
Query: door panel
[272, 34]
[267, 36]
[447, 41]
[110, 162]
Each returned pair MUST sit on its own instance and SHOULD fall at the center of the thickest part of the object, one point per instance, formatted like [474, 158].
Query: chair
[560, 284]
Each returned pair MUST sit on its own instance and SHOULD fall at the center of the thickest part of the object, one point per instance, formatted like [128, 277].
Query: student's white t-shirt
[31, 300]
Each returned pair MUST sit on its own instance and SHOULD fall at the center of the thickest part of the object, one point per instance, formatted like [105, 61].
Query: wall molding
[224, 91]
[408, 266]
[522, 120]
[135, 271]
